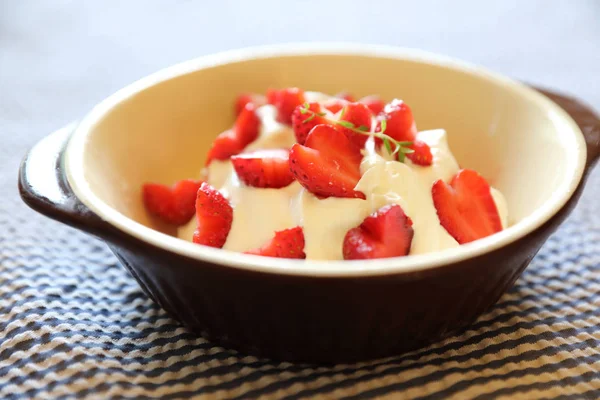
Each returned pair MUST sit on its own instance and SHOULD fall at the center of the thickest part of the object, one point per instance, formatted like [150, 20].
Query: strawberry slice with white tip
[328, 164]
[264, 168]
[214, 215]
[385, 233]
[465, 207]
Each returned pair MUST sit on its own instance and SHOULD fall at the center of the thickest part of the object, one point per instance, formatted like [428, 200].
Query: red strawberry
[399, 120]
[233, 141]
[173, 205]
[245, 98]
[385, 233]
[288, 243]
[360, 116]
[264, 168]
[421, 154]
[346, 96]
[285, 100]
[224, 146]
[328, 164]
[303, 123]
[374, 103]
[335, 105]
[466, 207]
[214, 216]
[247, 125]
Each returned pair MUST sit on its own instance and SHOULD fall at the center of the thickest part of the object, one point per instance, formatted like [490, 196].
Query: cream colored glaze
[260, 212]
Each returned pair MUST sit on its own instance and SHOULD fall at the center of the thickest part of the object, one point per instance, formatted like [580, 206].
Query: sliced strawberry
[214, 216]
[465, 207]
[360, 116]
[303, 123]
[245, 98]
[247, 125]
[399, 120]
[173, 205]
[374, 103]
[346, 96]
[385, 233]
[264, 168]
[224, 146]
[285, 100]
[328, 164]
[335, 105]
[421, 154]
[233, 141]
[288, 243]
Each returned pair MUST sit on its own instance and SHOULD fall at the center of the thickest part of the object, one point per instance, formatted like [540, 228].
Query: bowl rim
[313, 268]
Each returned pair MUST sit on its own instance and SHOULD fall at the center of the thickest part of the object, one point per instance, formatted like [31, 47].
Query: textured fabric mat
[73, 323]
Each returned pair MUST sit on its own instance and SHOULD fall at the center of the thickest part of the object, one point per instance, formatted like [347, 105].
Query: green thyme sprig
[400, 150]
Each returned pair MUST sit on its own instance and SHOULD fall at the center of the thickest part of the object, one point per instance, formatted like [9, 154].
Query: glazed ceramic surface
[159, 129]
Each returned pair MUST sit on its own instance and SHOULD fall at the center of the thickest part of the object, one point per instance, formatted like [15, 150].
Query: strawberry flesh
[385, 233]
[335, 105]
[465, 207]
[421, 154]
[247, 125]
[360, 116]
[374, 103]
[173, 205]
[288, 243]
[399, 120]
[233, 141]
[285, 101]
[346, 96]
[245, 98]
[264, 168]
[214, 215]
[303, 123]
[328, 164]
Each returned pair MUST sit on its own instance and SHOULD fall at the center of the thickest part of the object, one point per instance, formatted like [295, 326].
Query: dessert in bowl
[305, 175]
[160, 129]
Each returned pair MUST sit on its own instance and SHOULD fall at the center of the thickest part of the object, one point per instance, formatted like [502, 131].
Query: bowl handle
[43, 186]
[588, 121]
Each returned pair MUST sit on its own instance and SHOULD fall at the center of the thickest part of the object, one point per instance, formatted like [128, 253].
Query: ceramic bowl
[535, 148]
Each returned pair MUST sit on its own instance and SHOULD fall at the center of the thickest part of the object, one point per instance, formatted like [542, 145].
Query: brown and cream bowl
[536, 148]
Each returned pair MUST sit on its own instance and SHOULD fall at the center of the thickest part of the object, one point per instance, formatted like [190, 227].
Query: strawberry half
[173, 205]
[385, 233]
[328, 164]
[285, 100]
[335, 105]
[224, 146]
[421, 154]
[233, 141]
[465, 207]
[374, 103]
[264, 168]
[245, 98]
[346, 96]
[247, 125]
[214, 216]
[360, 116]
[399, 119]
[303, 123]
[288, 243]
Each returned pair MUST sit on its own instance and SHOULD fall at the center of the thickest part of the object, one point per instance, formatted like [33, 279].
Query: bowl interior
[160, 129]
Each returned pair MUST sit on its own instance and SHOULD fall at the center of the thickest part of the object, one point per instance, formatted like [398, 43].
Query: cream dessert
[307, 175]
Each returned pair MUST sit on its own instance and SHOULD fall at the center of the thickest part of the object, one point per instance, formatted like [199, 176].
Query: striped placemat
[73, 323]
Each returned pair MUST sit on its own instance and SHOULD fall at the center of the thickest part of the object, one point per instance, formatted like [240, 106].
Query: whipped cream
[258, 213]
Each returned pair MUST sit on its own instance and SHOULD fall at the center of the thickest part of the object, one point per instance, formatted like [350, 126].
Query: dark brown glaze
[304, 318]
